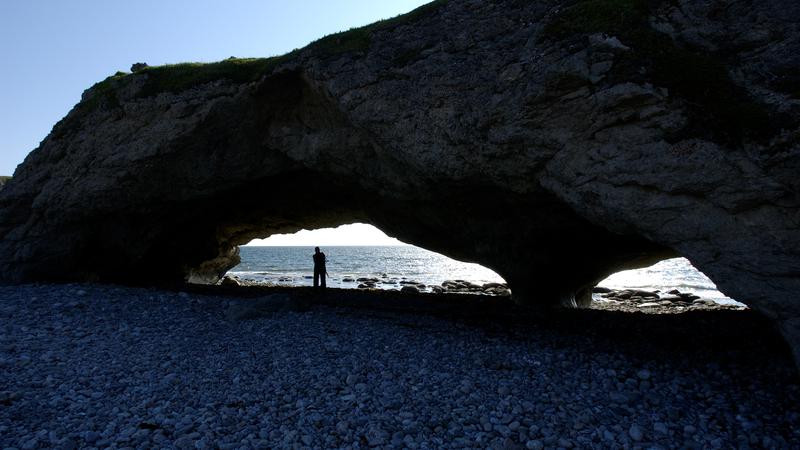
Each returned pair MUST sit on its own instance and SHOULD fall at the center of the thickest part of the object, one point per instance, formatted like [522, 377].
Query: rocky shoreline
[655, 302]
[393, 283]
[96, 366]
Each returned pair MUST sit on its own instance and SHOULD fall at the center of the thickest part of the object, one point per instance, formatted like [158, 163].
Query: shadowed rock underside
[555, 142]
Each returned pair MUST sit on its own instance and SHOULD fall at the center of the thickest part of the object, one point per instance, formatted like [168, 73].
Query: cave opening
[361, 256]
[675, 280]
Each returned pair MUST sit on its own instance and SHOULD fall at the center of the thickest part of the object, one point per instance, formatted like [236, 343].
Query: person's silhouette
[319, 268]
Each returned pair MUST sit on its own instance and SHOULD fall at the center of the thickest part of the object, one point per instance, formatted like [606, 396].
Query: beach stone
[410, 289]
[649, 305]
[393, 377]
[565, 443]
[91, 437]
[229, 281]
[534, 444]
[635, 433]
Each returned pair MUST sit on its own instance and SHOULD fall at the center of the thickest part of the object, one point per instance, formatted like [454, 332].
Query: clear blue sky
[52, 50]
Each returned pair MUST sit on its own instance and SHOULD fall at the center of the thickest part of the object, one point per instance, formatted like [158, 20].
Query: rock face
[555, 142]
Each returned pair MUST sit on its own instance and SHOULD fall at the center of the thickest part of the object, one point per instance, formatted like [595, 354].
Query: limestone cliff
[555, 142]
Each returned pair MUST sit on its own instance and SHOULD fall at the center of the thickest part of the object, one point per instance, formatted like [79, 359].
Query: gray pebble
[635, 433]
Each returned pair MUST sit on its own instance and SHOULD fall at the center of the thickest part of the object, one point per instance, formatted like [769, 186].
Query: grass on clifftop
[359, 39]
[180, 77]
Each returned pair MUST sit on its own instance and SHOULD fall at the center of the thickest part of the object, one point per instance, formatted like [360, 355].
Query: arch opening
[670, 282]
[361, 256]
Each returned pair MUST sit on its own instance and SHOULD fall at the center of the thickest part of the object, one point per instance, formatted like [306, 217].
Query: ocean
[292, 266]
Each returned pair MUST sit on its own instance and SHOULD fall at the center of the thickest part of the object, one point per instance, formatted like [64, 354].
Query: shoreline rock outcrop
[554, 142]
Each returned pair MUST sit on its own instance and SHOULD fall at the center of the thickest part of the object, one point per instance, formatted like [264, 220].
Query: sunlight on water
[292, 266]
[675, 273]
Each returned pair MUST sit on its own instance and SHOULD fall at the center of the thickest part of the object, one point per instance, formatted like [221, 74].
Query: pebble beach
[97, 366]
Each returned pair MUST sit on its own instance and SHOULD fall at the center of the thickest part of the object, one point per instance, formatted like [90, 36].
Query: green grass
[180, 77]
[359, 39]
[4, 179]
[103, 93]
[352, 40]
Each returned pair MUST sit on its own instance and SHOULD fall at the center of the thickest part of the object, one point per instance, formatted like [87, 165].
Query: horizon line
[333, 245]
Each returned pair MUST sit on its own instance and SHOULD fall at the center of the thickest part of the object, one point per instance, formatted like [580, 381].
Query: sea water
[293, 266]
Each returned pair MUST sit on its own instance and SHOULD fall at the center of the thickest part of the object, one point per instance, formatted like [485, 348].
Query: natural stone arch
[552, 151]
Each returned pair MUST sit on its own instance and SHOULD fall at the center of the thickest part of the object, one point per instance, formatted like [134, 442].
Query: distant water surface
[292, 266]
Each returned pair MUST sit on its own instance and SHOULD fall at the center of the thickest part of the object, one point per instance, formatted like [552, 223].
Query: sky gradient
[52, 50]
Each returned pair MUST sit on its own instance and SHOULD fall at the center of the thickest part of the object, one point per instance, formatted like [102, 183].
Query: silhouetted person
[319, 268]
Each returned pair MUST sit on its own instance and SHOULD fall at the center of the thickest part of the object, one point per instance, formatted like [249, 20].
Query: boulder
[648, 305]
[229, 281]
[136, 67]
[552, 149]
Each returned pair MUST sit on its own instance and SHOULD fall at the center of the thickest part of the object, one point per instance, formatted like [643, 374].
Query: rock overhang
[550, 141]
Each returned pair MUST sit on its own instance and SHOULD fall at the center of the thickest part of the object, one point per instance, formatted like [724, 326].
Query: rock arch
[552, 151]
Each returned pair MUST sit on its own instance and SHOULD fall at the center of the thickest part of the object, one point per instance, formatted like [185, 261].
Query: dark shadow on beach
[740, 337]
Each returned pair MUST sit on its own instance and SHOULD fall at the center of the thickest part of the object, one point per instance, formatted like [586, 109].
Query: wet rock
[229, 281]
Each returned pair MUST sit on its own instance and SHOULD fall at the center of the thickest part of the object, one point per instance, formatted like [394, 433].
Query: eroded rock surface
[555, 142]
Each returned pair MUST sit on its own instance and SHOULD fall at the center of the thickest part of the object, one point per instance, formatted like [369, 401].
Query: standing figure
[319, 268]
